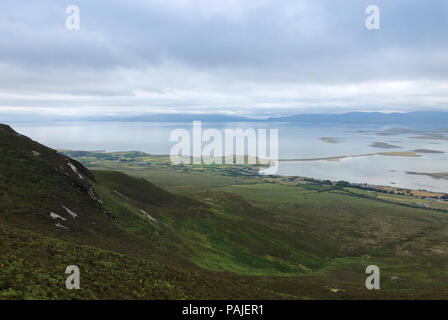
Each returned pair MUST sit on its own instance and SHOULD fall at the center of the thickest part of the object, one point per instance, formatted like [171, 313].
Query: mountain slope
[32, 266]
[52, 217]
[43, 191]
[36, 180]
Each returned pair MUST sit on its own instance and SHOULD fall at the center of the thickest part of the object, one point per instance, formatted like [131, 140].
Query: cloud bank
[244, 57]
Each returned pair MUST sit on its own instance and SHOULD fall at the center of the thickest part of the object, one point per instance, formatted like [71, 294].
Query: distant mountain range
[439, 118]
[429, 119]
[419, 117]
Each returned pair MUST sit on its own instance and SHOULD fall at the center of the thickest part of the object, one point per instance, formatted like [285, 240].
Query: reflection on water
[295, 142]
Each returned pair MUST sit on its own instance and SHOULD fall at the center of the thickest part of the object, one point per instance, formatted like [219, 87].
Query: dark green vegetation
[149, 230]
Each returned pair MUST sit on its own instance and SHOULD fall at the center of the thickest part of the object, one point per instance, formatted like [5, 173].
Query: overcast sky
[248, 57]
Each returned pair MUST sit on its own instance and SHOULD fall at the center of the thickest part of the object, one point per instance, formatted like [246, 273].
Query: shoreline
[411, 154]
[259, 166]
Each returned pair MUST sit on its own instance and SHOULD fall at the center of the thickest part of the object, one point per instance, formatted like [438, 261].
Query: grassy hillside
[33, 267]
[308, 239]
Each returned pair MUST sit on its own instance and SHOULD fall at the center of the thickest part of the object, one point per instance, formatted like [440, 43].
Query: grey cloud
[239, 54]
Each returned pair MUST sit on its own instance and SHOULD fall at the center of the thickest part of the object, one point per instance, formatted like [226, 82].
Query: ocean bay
[296, 141]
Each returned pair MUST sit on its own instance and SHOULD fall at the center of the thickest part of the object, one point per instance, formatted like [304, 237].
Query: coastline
[338, 158]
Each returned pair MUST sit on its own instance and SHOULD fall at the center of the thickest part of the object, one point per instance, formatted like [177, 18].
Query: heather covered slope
[43, 191]
[33, 267]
